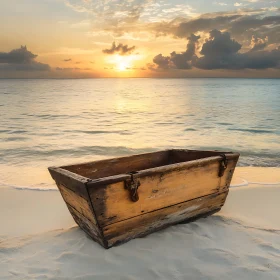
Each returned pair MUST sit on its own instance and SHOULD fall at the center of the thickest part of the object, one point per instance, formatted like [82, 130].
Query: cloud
[21, 55]
[219, 51]
[130, 18]
[21, 60]
[120, 49]
[238, 24]
[237, 4]
[162, 62]
[241, 24]
[258, 44]
[177, 60]
[220, 3]
[220, 44]
[249, 24]
[68, 59]
[110, 12]
[222, 52]
[71, 69]
[182, 60]
[119, 17]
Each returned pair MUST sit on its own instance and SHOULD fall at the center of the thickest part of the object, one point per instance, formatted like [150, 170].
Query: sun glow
[123, 63]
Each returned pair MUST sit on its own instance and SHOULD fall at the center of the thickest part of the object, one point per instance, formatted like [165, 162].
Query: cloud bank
[219, 51]
[21, 60]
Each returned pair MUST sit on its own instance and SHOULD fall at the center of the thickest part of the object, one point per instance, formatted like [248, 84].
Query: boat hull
[119, 199]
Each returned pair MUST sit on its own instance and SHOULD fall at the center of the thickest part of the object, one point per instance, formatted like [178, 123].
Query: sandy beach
[39, 239]
[193, 84]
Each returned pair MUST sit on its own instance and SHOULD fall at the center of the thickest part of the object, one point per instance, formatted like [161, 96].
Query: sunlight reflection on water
[52, 122]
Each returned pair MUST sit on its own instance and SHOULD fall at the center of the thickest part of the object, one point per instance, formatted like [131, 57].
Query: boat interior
[133, 163]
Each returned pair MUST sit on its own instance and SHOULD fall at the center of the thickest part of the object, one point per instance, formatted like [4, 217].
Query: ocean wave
[120, 132]
[21, 155]
[39, 153]
[257, 131]
[243, 184]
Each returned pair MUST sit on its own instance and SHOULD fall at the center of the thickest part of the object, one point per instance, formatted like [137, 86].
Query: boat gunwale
[160, 169]
[144, 172]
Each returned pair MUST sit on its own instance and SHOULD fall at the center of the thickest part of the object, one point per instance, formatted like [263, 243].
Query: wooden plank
[73, 181]
[181, 155]
[121, 165]
[87, 226]
[77, 202]
[159, 188]
[144, 224]
[226, 179]
[73, 188]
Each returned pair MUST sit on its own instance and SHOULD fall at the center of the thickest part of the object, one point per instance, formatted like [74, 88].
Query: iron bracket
[223, 165]
[132, 185]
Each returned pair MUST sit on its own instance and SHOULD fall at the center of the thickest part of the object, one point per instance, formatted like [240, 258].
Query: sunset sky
[139, 38]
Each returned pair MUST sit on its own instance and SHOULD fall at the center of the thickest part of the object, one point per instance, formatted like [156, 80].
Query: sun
[123, 62]
[123, 65]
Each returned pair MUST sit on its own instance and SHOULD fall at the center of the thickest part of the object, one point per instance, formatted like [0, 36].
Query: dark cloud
[183, 60]
[21, 60]
[178, 60]
[219, 51]
[161, 61]
[222, 52]
[68, 59]
[17, 56]
[120, 49]
[220, 44]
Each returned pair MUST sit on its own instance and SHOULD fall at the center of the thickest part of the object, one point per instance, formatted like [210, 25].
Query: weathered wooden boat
[115, 200]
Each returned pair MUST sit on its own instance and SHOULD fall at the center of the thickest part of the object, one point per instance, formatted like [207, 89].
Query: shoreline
[243, 176]
[36, 204]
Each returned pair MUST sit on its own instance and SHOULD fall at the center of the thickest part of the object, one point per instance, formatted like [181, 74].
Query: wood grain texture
[87, 226]
[176, 185]
[181, 155]
[77, 202]
[158, 190]
[121, 165]
[71, 180]
[142, 225]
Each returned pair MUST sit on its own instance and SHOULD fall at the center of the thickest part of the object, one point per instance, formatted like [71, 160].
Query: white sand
[39, 239]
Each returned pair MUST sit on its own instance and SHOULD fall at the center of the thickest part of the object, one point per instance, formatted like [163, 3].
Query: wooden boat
[115, 200]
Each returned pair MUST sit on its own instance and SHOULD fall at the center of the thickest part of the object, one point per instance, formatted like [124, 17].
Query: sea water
[54, 122]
